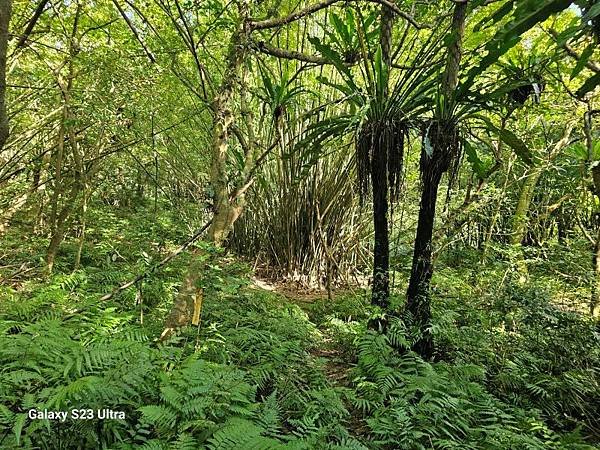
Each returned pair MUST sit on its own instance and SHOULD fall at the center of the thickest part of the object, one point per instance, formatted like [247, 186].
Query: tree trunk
[57, 190]
[59, 229]
[440, 143]
[380, 292]
[595, 298]
[226, 210]
[519, 226]
[418, 297]
[587, 128]
[84, 206]
[5, 13]
[519, 222]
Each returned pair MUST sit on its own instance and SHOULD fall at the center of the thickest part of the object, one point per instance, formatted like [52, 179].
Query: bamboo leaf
[583, 59]
[511, 139]
[476, 163]
[590, 84]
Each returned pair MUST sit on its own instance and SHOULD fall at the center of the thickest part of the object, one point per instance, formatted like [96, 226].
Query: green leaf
[592, 12]
[590, 84]
[583, 59]
[577, 150]
[527, 14]
[350, 22]
[329, 53]
[596, 150]
[511, 139]
[476, 163]
[496, 16]
[18, 426]
[340, 28]
[381, 74]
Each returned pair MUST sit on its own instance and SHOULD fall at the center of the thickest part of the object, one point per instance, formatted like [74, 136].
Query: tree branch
[155, 267]
[134, 31]
[36, 15]
[593, 66]
[289, 54]
[279, 21]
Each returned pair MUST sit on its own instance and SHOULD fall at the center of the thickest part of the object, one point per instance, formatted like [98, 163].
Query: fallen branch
[155, 267]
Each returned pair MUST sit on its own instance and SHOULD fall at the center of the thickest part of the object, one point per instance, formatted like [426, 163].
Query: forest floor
[271, 366]
[336, 365]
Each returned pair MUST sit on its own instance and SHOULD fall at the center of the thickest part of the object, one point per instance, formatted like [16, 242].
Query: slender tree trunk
[587, 127]
[520, 218]
[595, 297]
[381, 252]
[418, 297]
[5, 13]
[380, 291]
[494, 216]
[58, 163]
[60, 227]
[564, 225]
[519, 221]
[59, 219]
[227, 210]
[443, 140]
[81, 242]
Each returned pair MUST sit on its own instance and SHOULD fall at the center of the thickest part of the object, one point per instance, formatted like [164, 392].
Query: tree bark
[226, 211]
[380, 292]
[59, 219]
[519, 222]
[589, 141]
[595, 297]
[60, 227]
[418, 296]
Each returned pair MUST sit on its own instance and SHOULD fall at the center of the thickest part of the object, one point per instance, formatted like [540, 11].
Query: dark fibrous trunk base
[440, 153]
[380, 153]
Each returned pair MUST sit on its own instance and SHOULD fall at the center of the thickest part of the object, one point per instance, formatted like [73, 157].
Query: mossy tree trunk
[587, 127]
[227, 206]
[519, 221]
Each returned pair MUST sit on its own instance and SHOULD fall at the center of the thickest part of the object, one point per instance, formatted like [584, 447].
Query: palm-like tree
[385, 103]
[381, 117]
[440, 152]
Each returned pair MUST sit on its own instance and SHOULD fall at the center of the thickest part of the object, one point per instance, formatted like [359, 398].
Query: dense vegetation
[269, 224]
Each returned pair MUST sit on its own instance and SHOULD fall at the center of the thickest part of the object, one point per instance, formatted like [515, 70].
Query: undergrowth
[512, 370]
